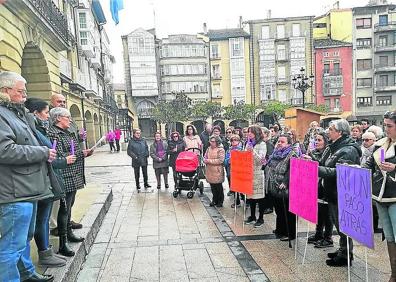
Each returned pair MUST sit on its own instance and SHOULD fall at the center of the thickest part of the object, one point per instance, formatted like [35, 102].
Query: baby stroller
[189, 167]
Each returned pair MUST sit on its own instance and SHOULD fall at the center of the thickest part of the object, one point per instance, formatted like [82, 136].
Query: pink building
[333, 76]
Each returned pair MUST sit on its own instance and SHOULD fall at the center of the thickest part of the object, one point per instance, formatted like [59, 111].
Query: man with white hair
[24, 181]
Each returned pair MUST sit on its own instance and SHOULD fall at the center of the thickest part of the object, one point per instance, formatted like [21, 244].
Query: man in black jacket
[343, 150]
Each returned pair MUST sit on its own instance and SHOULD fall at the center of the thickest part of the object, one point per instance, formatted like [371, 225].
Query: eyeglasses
[229, 131]
[366, 140]
[391, 115]
[175, 136]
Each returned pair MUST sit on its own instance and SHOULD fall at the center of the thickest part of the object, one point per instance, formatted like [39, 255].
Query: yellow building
[336, 24]
[229, 66]
[46, 45]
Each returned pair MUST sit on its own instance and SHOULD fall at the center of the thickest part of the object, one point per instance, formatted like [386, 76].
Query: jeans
[17, 223]
[342, 251]
[41, 234]
[112, 148]
[387, 216]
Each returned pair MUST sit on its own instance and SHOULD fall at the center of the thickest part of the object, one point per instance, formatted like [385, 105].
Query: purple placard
[355, 212]
[72, 147]
[54, 145]
[382, 157]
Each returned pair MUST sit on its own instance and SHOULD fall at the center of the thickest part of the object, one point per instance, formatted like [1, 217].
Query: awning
[98, 12]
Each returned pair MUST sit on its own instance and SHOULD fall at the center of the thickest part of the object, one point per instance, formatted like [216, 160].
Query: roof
[300, 18]
[223, 34]
[119, 86]
[328, 42]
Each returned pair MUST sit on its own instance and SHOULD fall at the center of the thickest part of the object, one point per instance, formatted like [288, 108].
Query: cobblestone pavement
[154, 237]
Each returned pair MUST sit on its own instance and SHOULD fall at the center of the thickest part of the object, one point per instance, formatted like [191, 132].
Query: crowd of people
[273, 148]
[42, 167]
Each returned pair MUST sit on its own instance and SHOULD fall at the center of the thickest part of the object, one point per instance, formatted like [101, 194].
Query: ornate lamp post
[302, 82]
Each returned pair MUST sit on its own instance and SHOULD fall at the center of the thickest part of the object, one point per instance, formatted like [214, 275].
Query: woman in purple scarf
[158, 152]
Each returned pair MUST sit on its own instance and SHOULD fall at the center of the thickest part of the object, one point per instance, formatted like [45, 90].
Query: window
[327, 103]
[337, 104]
[296, 29]
[363, 64]
[364, 101]
[83, 20]
[364, 82]
[326, 68]
[325, 54]
[383, 80]
[282, 96]
[383, 20]
[236, 46]
[84, 38]
[383, 61]
[281, 52]
[214, 51]
[280, 31]
[281, 73]
[265, 32]
[363, 43]
[216, 71]
[383, 100]
[383, 41]
[216, 90]
[319, 25]
[337, 69]
[363, 23]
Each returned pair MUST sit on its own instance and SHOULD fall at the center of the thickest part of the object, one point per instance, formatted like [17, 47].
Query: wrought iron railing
[54, 17]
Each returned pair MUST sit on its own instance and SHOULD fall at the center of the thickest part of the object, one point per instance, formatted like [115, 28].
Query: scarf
[280, 154]
[160, 152]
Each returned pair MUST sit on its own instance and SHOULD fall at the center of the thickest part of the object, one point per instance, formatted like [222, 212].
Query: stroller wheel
[175, 193]
[201, 187]
[190, 195]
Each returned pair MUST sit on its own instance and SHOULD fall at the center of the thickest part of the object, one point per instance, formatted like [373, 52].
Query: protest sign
[303, 189]
[355, 213]
[242, 172]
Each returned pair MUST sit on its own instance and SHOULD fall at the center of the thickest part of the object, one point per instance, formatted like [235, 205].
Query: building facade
[374, 63]
[335, 24]
[229, 66]
[333, 76]
[126, 119]
[279, 48]
[141, 76]
[42, 40]
[184, 67]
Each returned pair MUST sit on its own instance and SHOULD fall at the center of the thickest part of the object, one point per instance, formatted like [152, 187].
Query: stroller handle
[192, 149]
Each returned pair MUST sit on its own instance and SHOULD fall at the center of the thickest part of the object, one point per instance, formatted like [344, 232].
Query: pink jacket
[117, 134]
[110, 136]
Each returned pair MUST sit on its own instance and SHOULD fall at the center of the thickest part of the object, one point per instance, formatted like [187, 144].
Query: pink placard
[303, 189]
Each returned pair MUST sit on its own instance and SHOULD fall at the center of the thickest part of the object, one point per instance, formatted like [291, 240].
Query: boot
[392, 260]
[72, 237]
[47, 258]
[64, 248]
[37, 277]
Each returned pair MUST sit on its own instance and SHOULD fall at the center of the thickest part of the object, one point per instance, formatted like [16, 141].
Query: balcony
[384, 88]
[83, 4]
[95, 61]
[280, 37]
[282, 58]
[47, 18]
[282, 80]
[390, 26]
[385, 48]
[336, 110]
[65, 69]
[332, 91]
[86, 45]
[385, 68]
[333, 72]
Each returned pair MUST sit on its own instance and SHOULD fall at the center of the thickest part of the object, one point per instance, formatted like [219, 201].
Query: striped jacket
[73, 174]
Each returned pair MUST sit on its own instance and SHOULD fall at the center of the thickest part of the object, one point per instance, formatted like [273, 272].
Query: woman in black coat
[175, 146]
[384, 183]
[342, 150]
[139, 152]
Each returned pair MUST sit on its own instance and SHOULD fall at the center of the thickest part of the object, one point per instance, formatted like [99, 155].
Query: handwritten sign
[303, 189]
[242, 172]
[355, 212]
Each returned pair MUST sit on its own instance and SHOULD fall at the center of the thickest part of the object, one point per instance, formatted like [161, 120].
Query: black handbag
[56, 186]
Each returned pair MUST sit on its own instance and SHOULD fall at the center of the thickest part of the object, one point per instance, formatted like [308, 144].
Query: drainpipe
[83, 116]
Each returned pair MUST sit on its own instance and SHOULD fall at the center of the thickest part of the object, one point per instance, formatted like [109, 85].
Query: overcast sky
[187, 16]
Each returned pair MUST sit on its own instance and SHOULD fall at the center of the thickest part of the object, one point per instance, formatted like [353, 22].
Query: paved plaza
[154, 237]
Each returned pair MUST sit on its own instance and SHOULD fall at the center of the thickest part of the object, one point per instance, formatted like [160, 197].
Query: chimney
[336, 5]
[205, 28]
[240, 21]
[269, 14]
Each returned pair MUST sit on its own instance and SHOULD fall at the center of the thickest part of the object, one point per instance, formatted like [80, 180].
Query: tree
[205, 109]
[275, 108]
[239, 111]
[318, 108]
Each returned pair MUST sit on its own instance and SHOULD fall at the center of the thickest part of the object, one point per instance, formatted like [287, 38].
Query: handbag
[56, 186]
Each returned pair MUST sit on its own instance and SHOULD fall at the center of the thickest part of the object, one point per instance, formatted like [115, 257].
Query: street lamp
[302, 82]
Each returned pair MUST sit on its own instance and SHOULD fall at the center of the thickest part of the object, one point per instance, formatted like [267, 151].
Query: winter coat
[73, 175]
[157, 162]
[366, 153]
[138, 151]
[214, 170]
[342, 151]
[23, 162]
[259, 153]
[383, 183]
[193, 142]
[117, 133]
[227, 159]
[110, 137]
[180, 145]
[316, 155]
[204, 136]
